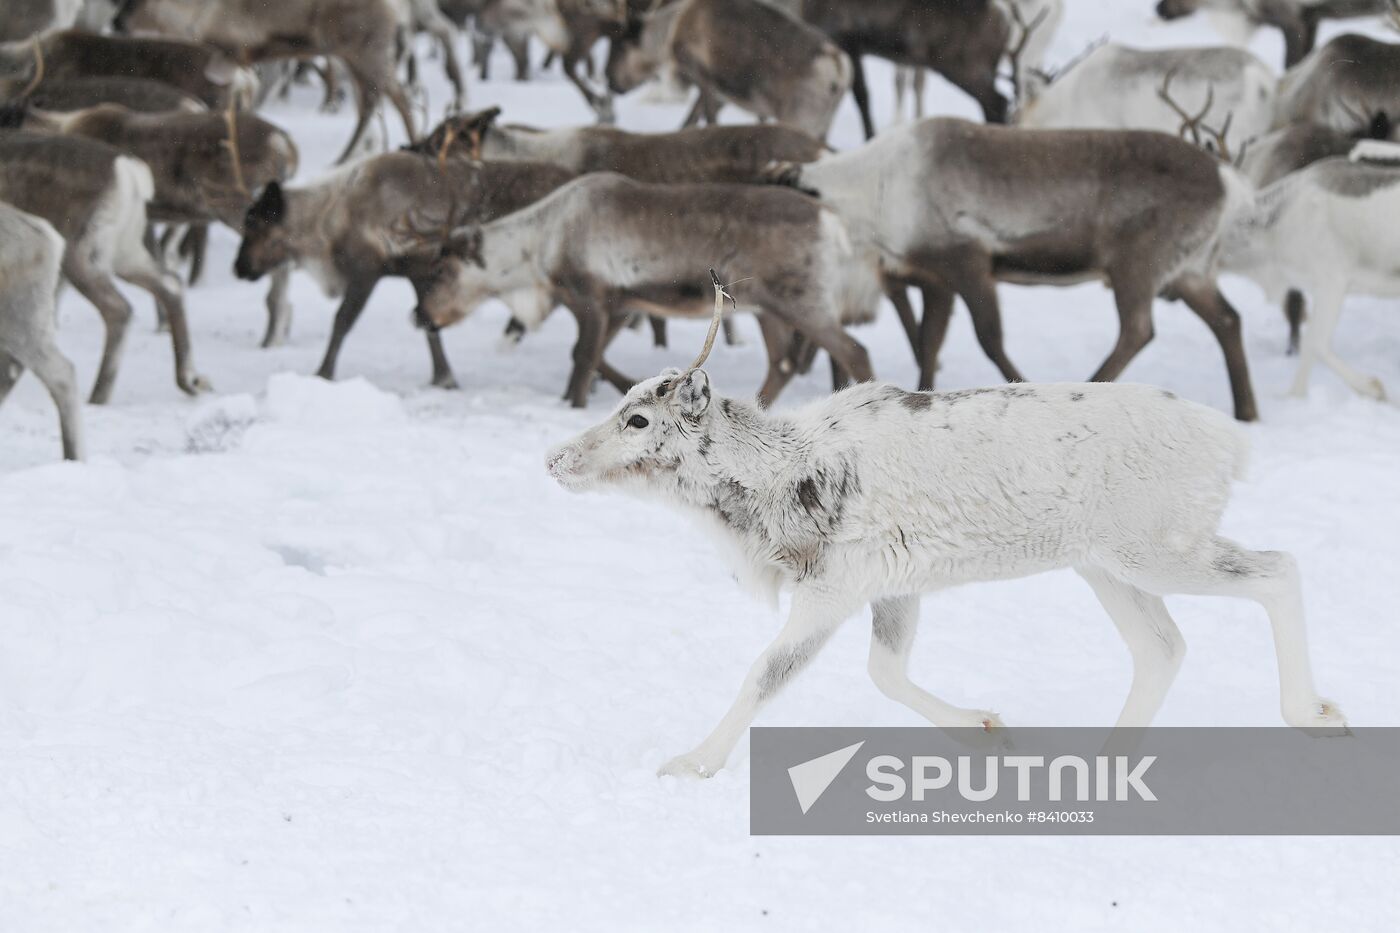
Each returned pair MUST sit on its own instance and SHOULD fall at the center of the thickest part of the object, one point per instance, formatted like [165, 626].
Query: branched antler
[1015, 52]
[1190, 124]
[1193, 126]
[1221, 141]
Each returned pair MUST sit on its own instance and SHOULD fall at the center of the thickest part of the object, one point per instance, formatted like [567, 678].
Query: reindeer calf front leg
[815, 614]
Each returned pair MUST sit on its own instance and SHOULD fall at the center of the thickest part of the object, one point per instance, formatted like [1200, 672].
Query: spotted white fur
[876, 495]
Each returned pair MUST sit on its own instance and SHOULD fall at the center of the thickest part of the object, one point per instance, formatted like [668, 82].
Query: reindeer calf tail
[787, 175]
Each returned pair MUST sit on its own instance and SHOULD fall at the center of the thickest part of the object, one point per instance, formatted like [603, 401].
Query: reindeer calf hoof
[445, 382]
[1321, 718]
[687, 766]
[194, 385]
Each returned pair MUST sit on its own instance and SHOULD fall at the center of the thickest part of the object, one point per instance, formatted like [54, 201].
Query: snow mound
[312, 401]
[218, 424]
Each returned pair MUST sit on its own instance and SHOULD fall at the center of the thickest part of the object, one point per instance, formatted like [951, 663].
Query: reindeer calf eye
[637, 421]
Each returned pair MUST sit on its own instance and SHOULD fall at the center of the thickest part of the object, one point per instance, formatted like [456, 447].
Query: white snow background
[312, 656]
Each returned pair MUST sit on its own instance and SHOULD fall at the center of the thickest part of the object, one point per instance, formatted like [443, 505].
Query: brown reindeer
[1296, 19]
[207, 167]
[745, 52]
[68, 94]
[963, 40]
[958, 207]
[1345, 85]
[702, 154]
[362, 34]
[197, 70]
[738, 154]
[367, 222]
[95, 196]
[791, 258]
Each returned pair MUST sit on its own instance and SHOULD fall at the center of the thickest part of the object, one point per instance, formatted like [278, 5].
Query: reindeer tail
[1375, 152]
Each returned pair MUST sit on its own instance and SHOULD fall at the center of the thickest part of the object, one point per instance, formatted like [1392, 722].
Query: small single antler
[1189, 123]
[720, 295]
[1015, 52]
[38, 70]
[231, 144]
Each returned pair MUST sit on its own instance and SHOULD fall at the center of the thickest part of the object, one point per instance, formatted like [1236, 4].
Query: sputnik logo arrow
[811, 778]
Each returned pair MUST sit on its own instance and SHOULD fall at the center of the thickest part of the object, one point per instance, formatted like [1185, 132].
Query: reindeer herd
[128, 128]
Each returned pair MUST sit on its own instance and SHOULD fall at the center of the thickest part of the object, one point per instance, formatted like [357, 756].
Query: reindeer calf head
[267, 239]
[630, 63]
[660, 424]
[456, 283]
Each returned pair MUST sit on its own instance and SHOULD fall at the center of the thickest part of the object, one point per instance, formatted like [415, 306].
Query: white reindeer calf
[876, 495]
[1328, 231]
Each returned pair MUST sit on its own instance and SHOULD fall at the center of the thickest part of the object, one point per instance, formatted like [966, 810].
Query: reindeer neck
[317, 217]
[742, 452]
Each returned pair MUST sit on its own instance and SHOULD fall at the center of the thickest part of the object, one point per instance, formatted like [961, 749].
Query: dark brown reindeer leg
[195, 245]
[1295, 309]
[1133, 297]
[898, 294]
[614, 378]
[846, 352]
[777, 340]
[357, 294]
[938, 311]
[970, 275]
[861, 91]
[443, 377]
[593, 324]
[1204, 298]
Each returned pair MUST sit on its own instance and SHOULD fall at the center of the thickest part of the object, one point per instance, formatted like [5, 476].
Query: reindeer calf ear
[692, 394]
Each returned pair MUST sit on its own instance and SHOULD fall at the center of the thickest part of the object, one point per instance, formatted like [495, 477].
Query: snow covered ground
[311, 656]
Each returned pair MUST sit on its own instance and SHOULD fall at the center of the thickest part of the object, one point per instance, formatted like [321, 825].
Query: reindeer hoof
[194, 385]
[1321, 718]
[686, 766]
[445, 382]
